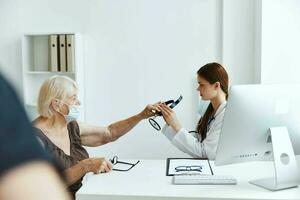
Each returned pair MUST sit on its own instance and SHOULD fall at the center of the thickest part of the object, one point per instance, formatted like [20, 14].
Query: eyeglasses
[197, 168]
[115, 161]
[172, 103]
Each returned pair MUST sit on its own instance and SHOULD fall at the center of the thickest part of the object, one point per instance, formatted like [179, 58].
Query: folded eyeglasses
[197, 168]
[115, 161]
[171, 104]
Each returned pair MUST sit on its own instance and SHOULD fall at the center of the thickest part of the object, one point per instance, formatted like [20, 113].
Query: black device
[171, 104]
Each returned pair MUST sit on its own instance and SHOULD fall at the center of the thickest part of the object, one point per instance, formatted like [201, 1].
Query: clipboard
[188, 165]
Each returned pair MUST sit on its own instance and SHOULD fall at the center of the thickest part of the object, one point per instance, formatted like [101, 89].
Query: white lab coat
[191, 144]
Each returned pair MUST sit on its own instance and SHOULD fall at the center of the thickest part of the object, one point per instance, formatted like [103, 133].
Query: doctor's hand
[150, 110]
[170, 117]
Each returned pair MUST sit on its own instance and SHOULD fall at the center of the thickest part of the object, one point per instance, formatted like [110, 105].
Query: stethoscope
[211, 119]
[172, 103]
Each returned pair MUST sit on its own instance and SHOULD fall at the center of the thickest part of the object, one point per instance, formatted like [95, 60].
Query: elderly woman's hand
[97, 165]
[150, 110]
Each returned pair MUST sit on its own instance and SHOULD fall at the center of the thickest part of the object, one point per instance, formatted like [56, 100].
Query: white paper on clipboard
[192, 165]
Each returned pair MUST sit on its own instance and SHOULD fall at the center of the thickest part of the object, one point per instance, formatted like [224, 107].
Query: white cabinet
[35, 64]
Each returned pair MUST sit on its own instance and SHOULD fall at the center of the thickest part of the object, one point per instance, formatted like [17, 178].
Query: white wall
[280, 43]
[238, 44]
[10, 43]
[137, 52]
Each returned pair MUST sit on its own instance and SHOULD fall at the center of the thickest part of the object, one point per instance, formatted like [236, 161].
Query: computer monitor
[262, 122]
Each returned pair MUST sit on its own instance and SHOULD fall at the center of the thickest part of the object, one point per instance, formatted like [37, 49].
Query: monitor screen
[251, 111]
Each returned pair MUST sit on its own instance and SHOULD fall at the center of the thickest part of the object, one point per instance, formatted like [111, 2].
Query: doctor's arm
[93, 136]
[187, 142]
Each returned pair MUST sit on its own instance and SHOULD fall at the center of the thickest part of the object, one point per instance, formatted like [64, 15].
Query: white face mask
[202, 106]
[74, 112]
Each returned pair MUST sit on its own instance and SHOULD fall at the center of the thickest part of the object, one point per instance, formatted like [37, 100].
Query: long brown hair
[212, 72]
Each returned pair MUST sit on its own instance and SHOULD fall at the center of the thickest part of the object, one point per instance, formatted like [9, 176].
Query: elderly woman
[63, 137]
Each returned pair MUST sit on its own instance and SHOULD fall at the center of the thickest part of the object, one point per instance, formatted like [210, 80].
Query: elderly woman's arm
[95, 135]
[95, 165]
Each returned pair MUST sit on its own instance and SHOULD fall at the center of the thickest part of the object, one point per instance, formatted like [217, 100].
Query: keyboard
[197, 179]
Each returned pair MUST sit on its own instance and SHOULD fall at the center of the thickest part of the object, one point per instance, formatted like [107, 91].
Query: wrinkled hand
[170, 117]
[98, 165]
[150, 110]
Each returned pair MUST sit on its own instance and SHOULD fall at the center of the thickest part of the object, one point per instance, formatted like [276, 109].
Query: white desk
[148, 180]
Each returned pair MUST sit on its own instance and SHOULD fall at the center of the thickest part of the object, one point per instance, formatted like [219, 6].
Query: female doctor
[213, 86]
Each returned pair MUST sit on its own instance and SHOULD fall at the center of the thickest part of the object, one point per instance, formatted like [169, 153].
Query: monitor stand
[287, 173]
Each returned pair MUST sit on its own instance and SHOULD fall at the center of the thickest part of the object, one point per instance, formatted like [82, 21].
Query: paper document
[188, 165]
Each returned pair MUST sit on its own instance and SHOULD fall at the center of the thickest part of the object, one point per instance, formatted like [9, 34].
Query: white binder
[53, 53]
[70, 53]
[62, 53]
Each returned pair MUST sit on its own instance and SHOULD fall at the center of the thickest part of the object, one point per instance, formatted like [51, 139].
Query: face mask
[202, 106]
[74, 112]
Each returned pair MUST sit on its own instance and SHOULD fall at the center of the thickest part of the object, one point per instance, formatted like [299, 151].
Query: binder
[62, 53]
[70, 53]
[53, 53]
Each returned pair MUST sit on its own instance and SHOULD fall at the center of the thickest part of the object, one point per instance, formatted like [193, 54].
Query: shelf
[35, 67]
[50, 73]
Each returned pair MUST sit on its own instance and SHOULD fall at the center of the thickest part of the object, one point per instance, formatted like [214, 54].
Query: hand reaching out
[150, 110]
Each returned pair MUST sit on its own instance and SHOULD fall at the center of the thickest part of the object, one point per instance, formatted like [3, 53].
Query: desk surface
[148, 180]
